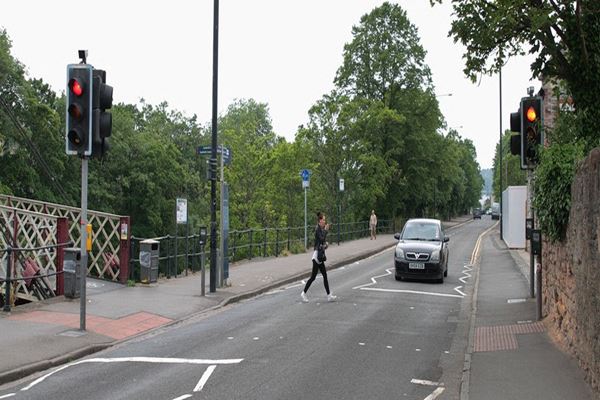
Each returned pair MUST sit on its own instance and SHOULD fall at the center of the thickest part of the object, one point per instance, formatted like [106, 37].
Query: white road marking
[425, 382]
[412, 292]
[185, 396]
[417, 349]
[373, 281]
[255, 338]
[361, 344]
[204, 378]
[389, 272]
[6, 396]
[435, 394]
[467, 276]
[389, 347]
[463, 294]
[230, 338]
[154, 360]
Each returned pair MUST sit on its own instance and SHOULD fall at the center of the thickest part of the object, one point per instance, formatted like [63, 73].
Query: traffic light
[79, 110]
[515, 126]
[102, 120]
[531, 131]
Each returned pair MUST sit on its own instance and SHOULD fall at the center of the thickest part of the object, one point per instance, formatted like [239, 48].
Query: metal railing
[28, 274]
[182, 254]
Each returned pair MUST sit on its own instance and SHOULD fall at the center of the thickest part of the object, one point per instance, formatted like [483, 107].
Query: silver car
[422, 250]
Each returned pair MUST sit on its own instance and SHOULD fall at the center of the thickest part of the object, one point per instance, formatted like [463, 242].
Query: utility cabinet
[514, 213]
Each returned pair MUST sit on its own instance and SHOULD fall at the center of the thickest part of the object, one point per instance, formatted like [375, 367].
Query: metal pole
[176, 245]
[202, 273]
[221, 229]
[84, 255]
[8, 280]
[213, 154]
[539, 288]
[531, 256]
[187, 242]
[501, 155]
[305, 227]
[338, 224]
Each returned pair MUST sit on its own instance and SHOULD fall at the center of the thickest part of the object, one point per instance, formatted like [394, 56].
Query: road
[381, 339]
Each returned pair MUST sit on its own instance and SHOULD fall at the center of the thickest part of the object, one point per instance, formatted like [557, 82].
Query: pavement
[508, 354]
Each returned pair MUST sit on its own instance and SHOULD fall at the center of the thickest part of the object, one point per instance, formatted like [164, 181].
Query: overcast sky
[283, 53]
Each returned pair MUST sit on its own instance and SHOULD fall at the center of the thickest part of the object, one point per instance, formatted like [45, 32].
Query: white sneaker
[304, 297]
[331, 297]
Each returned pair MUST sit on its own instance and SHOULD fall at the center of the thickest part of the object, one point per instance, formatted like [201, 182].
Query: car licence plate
[416, 265]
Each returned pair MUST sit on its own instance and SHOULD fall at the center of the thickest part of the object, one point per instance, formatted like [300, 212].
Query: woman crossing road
[318, 258]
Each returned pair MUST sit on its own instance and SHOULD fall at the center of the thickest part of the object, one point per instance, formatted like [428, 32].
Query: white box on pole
[514, 213]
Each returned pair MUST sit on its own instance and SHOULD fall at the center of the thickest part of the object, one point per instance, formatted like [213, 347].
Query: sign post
[340, 209]
[305, 174]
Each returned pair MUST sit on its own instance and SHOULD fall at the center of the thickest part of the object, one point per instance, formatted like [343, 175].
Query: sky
[282, 53]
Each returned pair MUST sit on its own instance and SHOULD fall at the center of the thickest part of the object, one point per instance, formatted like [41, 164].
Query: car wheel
[446, 271]
[398, 278]
[441, 280]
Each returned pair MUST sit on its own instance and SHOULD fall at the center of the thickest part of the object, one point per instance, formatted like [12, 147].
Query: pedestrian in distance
[319, 258]
[373, 225]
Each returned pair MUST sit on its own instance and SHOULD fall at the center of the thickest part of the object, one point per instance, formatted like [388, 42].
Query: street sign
[207, 150]
[181, 213]
[341, 185]
[305, 174]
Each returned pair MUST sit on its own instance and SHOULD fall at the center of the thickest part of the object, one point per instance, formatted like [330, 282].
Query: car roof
[429, 220]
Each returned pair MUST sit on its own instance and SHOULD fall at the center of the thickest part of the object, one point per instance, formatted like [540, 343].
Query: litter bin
[71, 272]
[149, 253]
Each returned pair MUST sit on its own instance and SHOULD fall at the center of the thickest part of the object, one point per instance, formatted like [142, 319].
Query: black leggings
[317, 267]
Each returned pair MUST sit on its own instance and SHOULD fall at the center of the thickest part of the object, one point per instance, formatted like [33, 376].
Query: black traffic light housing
[79, 110]
[531, 131]
[515, 126]
[102, 120]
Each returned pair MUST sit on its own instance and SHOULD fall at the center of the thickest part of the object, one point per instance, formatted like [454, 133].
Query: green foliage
[385, 55]
[379, 129]
[554, 177]
[512, 174]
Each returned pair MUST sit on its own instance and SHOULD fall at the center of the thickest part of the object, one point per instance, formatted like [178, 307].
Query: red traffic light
[531, 114]
[76, 87]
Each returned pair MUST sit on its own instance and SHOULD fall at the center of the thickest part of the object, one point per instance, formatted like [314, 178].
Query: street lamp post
[500, 91]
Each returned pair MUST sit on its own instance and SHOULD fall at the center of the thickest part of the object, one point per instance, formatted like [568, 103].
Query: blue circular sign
[305, 174]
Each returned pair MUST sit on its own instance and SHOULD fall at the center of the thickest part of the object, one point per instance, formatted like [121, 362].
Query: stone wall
[571, 274]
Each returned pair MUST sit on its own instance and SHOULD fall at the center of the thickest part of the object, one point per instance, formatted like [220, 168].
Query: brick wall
[571, 272]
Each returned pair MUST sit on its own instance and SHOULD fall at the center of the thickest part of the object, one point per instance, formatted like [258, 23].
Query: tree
[562, 35]
[512, 174]
[385, 55]
[246, 128]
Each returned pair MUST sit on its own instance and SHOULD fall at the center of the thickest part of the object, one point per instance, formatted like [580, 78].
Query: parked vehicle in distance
[496, 211]
[422, 250]
[477, 213]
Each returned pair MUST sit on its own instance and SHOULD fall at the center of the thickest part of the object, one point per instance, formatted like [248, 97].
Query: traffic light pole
[84, 255]
[530, 215]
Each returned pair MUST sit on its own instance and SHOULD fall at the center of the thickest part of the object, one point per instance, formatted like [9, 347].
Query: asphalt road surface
[381, 339]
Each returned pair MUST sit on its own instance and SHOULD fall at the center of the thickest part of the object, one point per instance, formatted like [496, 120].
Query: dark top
[320, 237]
